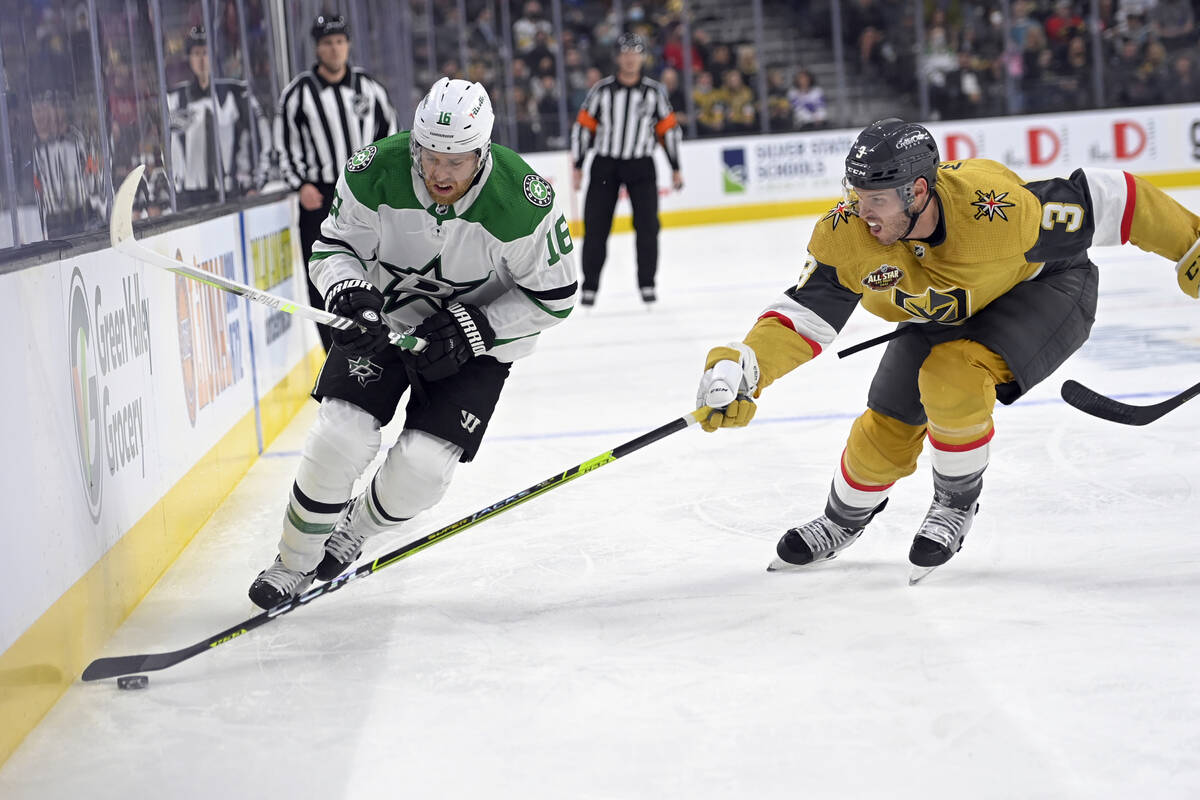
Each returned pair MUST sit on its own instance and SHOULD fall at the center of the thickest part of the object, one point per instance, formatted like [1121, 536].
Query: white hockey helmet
[456, 116]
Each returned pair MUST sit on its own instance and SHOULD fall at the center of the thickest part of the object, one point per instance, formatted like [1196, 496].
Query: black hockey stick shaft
[887, 337]
[103, 668]
[1098, 405]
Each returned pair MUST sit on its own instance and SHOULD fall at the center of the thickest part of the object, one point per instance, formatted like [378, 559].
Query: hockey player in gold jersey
[989, 278]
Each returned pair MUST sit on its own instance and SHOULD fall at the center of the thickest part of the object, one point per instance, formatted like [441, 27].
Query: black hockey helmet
[328, 25]
[196, 37]
[630, 42]
[892, 153]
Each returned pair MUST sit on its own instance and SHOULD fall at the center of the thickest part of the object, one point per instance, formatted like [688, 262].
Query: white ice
[619, 637]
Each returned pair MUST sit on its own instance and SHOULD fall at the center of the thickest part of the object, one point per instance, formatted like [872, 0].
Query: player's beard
[890, 230]
[456, 192]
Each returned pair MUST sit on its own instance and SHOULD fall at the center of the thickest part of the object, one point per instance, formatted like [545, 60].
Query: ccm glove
[729, 381]
[455, 334]
[361, 302]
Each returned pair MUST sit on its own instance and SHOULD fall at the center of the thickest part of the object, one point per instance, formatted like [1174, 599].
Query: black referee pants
[607, 176]
[310, 229]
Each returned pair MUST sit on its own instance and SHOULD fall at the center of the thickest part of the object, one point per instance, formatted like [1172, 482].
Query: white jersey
[504, 246]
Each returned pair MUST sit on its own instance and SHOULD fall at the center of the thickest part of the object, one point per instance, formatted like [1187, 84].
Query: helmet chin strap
[913, 217]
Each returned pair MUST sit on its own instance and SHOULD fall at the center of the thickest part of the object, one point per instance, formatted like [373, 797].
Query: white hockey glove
[727, 386]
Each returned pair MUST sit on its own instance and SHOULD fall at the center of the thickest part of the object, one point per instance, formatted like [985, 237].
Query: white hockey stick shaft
[121, 234]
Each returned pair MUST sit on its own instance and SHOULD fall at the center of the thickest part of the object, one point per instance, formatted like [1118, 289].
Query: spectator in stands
[577, 77]
[528, 137]
[710, 106]
[779, 108]
[961, 94]
[739, 100]
[747, 65]
[1063, 25]
[807, 101]
[673, 52]
[1183, 85]
[1075, 75]
[670, 82]
[863, 30]
[1174, 22]
[484, 38]
[1037, 65]
[1022, 24]
[528, 25]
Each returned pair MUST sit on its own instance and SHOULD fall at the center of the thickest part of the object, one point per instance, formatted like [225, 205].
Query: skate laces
[283, 578]
[823, 534]
[944, 524]
[344, 544]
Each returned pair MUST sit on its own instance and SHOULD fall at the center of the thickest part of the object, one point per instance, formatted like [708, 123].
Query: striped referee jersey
[624, 122]
[320, 124]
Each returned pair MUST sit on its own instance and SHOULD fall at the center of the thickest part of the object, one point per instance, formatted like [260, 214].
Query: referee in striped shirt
[621, 119]
[325, 114]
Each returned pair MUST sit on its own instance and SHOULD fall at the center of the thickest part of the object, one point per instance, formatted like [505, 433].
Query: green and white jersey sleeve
[505, 246]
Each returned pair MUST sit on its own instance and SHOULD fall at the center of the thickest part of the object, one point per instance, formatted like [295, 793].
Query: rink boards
[137, 400]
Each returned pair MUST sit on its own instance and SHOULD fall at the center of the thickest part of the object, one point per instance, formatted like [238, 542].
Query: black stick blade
[1090, 402]
[104, 668]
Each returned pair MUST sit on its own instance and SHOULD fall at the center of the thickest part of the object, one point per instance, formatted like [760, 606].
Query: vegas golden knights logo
[948, 307]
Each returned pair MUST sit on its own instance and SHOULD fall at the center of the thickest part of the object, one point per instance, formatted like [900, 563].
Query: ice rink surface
[618, 637]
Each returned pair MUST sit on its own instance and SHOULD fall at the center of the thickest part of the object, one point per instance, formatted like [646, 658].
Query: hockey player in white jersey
[439, 231]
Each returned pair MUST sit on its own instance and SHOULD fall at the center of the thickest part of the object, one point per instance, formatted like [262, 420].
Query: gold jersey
[995, 232]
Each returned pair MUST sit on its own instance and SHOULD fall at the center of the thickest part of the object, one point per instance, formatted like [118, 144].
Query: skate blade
[918, 574]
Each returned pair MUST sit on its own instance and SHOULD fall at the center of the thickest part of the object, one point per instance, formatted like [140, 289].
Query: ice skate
[277, 584]
[342, 548]
[940, 537]
[819, 540]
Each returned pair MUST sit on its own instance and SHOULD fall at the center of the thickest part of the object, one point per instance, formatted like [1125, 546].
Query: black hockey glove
[455, 334]
[360, 301]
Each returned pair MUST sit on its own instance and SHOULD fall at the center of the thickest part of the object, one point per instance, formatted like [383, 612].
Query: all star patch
[361, 159]
[842, 212]
[991, 205]
[537, 191]
[883, 278]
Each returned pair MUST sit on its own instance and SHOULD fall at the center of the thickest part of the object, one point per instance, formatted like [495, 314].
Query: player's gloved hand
[1188, 271]
[456, 334]
[360, 301]
[729, 383]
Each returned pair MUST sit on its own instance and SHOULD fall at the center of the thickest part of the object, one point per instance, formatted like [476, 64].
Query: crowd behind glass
[90, 86]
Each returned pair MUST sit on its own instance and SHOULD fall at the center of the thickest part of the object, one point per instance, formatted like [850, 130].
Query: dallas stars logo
[991, 205]
[364, 369]
[842, 212]
[425, 283]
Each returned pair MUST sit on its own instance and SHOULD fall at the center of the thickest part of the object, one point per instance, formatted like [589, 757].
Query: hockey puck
[133, 682]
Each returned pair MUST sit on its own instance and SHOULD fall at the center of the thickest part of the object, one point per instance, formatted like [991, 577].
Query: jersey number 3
[1068, 213]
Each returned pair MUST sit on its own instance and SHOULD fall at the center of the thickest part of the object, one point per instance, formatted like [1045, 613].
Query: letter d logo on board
[959, 146]
[1129, 140]
[1044, 146]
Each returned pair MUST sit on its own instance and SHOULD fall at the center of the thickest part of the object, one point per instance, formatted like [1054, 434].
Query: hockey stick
[120, 232]
[103, 668]
[1096, 404]
[895, 333]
